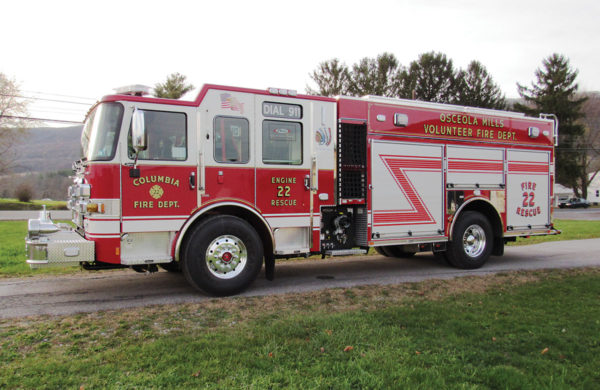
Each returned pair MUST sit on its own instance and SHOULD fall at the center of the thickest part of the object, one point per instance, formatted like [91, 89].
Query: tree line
[433, 78]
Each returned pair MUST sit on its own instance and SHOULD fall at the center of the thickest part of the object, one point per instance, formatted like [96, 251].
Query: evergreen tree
[431, 78]
[173, 88]
[332, 78]
[555, 92]
[376, 76]
[475, 87]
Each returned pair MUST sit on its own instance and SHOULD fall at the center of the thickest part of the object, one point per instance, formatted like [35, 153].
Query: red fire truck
[216, 186]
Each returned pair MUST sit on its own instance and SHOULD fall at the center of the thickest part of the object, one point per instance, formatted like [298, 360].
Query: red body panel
[454, 126]
[159, 191]
[104, 180]
[231, 182]
[282, 191]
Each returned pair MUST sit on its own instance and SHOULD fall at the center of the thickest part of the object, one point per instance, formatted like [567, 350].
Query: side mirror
[138, 131]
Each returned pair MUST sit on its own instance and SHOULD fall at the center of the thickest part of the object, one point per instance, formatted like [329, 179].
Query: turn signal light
[95, 208]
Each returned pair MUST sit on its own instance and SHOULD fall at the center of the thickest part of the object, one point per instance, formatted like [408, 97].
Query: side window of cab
[167, 136]
[231, 137]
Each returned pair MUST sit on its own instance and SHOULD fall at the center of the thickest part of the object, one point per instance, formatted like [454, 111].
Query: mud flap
[270, 267]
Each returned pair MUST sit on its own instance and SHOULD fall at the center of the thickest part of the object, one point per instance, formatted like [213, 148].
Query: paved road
[591, 214]
[115, 290]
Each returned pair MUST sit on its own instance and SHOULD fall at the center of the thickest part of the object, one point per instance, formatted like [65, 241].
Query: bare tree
[591, 137]
[13, 110]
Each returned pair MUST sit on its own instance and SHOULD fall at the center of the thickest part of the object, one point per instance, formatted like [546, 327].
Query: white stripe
[103, 235]
[289, 222]
[158, 217]
[286, 215]
[94, 226]
[153, 225]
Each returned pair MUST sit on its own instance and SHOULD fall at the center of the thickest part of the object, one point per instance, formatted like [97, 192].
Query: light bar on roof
[282, 91]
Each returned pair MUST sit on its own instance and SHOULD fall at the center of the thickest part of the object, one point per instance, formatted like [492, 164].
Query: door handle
[307, 182]
[192, 180]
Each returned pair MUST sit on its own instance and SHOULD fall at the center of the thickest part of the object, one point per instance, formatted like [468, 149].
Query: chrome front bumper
[49, 244]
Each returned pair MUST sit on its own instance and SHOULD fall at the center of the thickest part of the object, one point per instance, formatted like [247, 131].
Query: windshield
[101, 132]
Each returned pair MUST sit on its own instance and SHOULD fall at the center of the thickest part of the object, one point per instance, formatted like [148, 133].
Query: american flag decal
[230, 102]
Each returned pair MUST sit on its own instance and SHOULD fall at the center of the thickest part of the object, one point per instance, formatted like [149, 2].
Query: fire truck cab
[219, 186]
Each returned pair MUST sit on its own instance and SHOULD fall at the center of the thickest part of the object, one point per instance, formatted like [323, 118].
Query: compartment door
[528, 190]
[407, 190]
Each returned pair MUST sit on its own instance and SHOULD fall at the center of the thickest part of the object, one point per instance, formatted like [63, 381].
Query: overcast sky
[87, 48]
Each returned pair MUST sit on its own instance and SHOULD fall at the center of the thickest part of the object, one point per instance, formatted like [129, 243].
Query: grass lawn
[12, 252]
[15, 204]
[526, 330]
[571, 230]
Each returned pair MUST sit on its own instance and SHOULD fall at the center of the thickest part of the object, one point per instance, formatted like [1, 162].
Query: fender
[201, 212]
[466, 203]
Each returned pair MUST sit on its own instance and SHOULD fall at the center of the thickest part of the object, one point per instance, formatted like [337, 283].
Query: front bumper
[50, 244]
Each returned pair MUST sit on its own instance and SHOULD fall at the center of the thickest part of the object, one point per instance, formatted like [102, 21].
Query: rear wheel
[379, 249]
[399, 251]
[395, 251]
[472, 241]
[222, 256]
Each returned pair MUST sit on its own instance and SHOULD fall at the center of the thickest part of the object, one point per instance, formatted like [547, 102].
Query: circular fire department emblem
[156, 192]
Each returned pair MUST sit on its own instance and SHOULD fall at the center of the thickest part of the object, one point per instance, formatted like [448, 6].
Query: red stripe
[528, 167]
[475, 166]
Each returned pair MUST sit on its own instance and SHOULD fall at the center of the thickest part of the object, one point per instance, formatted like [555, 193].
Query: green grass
[536, 330]
[15, 205]
[12, 252]
[570, 230]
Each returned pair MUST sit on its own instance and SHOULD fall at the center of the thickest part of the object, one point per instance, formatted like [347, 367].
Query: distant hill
[48, 149]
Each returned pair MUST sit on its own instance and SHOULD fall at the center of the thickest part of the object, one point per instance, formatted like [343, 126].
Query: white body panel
[475, 167]
[528, 189]
[407, 191]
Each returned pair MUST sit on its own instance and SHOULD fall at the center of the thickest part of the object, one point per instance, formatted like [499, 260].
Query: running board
[346, 252]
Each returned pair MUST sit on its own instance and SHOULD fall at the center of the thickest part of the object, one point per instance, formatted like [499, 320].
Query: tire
[472, 241]
[441, 257]
[380, 250]
[399, 251]
[222, 256]
[171, 267]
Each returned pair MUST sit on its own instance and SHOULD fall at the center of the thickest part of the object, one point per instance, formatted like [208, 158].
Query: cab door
[159, 194]
[283, 170]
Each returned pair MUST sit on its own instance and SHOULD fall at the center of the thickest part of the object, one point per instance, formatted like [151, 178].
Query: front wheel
[222, 256]
[472, 241]
[171, 267]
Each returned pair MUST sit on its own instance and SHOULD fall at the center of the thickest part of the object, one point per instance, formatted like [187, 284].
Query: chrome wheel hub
[474, 241]
[226, 257]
